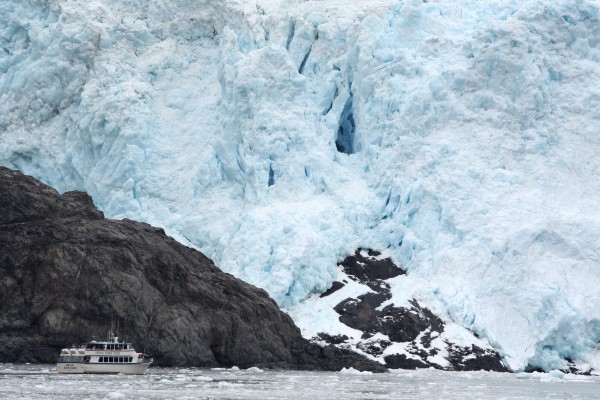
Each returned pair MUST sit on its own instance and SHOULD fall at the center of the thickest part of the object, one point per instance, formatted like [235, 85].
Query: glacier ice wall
[278, 136]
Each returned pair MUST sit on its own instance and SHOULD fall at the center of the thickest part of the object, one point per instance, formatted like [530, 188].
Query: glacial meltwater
[42, 382]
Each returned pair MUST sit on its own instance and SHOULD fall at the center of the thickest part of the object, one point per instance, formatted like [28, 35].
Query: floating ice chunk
[203, 378]
[352, 371]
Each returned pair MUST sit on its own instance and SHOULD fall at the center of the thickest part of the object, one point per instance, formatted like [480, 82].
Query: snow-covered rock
[277, 136]
[407, 337]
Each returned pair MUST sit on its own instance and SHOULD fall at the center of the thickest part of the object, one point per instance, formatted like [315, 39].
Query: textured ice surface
[278, 136]
[42, 382]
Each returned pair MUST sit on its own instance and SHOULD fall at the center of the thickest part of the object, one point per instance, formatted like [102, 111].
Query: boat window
[130, 359]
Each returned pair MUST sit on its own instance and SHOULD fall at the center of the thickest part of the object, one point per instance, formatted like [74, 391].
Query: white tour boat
[111, 357]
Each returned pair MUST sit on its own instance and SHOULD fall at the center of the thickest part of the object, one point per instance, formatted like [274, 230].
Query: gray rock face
[67, 274]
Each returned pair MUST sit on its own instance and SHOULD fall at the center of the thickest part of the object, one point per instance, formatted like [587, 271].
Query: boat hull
[102, 368]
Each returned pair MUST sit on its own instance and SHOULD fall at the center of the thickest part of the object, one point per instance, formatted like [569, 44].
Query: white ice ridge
[277, 136]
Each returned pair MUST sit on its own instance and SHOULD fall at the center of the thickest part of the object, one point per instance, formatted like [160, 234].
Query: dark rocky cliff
[67, 273]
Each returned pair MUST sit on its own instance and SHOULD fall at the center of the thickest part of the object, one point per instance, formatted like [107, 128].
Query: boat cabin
[93, 345]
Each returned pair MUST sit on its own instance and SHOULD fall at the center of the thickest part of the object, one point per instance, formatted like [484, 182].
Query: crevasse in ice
[277, 136]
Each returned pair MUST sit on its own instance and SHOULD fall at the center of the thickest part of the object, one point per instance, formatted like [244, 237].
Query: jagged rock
[403, 324]
[475, 359]
[374, 347]
[332, 339]
[401, 361]
[335, 286]
[359, 314]
[66, 274]
[370, 268]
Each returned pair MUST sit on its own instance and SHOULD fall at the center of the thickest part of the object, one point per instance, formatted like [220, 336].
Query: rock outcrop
[67, 274]
[407, 337]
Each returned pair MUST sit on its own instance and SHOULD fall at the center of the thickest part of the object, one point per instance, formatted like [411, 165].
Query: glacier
[277, 136]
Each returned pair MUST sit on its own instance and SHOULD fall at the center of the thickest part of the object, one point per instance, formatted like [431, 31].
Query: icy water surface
[42, 382]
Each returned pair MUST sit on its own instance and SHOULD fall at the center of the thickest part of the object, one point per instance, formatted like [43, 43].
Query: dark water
[42, 382]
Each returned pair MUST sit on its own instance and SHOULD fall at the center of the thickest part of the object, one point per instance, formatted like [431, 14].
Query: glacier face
[278, 136]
